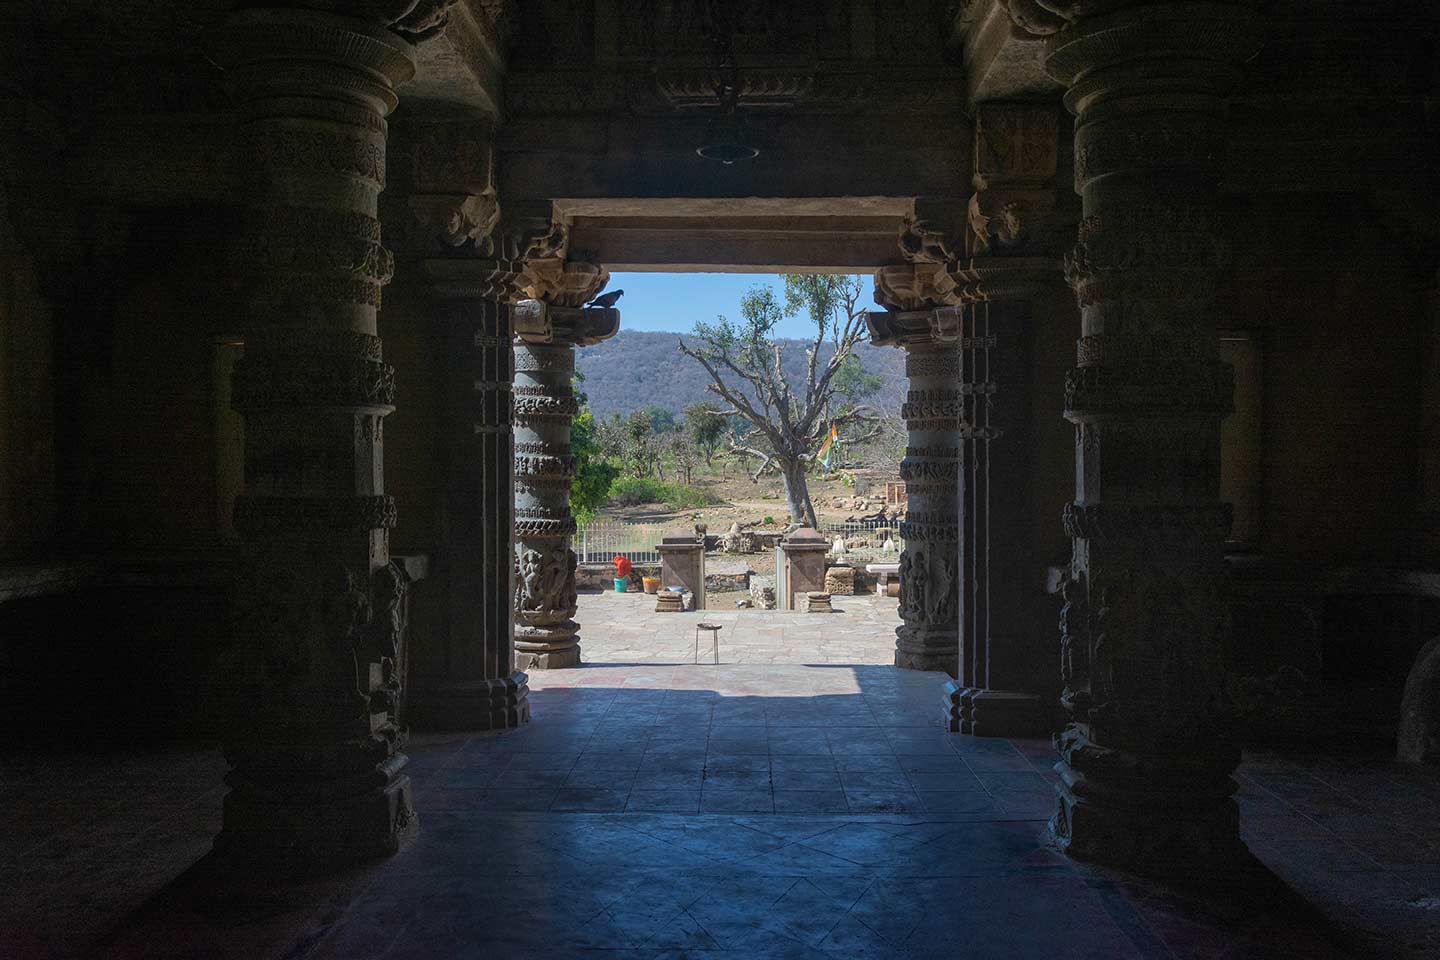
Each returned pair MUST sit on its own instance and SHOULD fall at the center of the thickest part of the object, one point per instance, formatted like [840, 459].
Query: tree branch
[766, 459]
[737, 400]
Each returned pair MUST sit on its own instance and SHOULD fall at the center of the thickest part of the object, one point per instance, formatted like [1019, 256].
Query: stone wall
[1342, 335]
[27, 448]
[601, 576]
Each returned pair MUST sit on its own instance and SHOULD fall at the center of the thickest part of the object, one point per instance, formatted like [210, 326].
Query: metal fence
[602, 540]
[871, 530]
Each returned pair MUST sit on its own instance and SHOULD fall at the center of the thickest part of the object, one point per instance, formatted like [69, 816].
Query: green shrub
[630, 491]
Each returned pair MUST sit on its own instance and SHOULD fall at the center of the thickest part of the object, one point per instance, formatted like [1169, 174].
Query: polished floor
[731, 812]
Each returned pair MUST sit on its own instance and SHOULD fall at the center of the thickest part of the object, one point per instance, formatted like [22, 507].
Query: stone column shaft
[317, 778]
[930, 565]
[545, 404]
[928, 638]
[963, 610]
[1146, 756]
[995, 693]
[985, 698]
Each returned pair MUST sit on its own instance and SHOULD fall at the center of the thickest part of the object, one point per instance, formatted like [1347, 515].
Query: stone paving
[736, 811]
[624, 628]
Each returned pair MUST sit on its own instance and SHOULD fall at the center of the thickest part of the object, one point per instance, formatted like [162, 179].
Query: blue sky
[674, 301]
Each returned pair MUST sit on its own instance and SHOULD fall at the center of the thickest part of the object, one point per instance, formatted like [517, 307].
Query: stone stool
[669, 601]
[714, 629]
[818, 603]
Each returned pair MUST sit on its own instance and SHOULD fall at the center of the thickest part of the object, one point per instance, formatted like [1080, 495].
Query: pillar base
[303, 829]
[980, 712]
[1166, 817]
[482, 705]
[547, 647]
[930, 650]
[546, 659]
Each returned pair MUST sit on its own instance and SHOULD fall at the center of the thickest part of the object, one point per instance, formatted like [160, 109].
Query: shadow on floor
[758, 812]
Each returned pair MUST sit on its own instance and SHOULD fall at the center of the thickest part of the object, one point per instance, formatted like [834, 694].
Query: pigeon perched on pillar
[606, 301]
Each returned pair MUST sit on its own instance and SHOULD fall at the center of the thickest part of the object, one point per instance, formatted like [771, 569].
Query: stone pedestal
[465, 677]
[317, 779]
[1147, 757]
[804, 557]
[682, 564]
[818, 603]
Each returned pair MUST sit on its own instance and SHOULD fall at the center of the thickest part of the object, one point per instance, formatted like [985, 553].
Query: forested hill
[636, 368]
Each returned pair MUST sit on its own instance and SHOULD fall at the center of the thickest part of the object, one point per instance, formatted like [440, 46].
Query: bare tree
[744, 361]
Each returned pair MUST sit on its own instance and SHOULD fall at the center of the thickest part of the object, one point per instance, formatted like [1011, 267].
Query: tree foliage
[662, 419]
[707, 427]
[594, 473]
[745, 363]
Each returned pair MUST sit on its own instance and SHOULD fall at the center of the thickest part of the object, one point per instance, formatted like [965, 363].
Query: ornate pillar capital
[913, 328]
[565, 283]
[413, 21]
[538, 322]
[272, 54]
[955, 254]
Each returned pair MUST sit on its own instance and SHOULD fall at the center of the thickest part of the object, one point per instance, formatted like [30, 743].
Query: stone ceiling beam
[1001, 63]
[745, 244]
[463, 66]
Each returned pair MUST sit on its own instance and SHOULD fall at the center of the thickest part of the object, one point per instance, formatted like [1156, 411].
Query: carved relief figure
[544, 576]
[387, 633]
[1005, 233]
[336, 635]
[1074, 637]
[942, 590]
[912, 585]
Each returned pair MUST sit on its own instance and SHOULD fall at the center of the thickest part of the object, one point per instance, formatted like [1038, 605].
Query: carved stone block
[1016, 141]
[840, 581]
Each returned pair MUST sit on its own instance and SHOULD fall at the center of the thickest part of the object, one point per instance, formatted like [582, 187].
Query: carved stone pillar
[1012, 261]
[470, 273]
[929, 584]
[546, 335]
[1147, 757]
[317, 775]
[466, 678]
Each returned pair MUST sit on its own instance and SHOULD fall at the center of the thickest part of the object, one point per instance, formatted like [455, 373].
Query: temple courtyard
[751, 809]
[624, 628]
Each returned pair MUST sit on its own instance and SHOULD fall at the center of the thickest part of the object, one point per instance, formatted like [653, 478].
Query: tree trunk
[797, 492]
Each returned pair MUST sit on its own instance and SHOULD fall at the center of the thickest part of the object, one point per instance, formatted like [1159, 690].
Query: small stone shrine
[804, 558]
